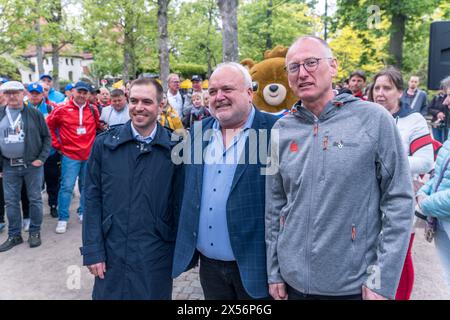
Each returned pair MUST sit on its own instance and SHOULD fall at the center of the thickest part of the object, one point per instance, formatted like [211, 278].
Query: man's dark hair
[149, 82]
[117, 93]
[358, 73]
[393, 74]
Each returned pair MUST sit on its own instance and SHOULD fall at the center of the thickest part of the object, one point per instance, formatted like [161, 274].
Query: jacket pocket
[106, 225]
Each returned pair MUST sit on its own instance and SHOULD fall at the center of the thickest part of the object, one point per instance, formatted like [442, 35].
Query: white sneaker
[80, 218]
[61, 227]
[26, 225]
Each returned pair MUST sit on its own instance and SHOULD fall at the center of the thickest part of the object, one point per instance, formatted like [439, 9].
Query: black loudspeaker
[439, 54]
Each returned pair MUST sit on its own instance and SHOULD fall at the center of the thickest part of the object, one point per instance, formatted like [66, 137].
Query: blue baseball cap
[46, 75]
[68, 87]
[3, 80]
[80, 85]
[36, 87]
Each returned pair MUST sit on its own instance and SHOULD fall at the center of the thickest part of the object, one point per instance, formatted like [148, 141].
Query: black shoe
[53, 212]
[10, 243]
[34, 240]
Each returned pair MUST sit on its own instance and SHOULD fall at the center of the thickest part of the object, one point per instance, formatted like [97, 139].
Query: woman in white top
[386, 90]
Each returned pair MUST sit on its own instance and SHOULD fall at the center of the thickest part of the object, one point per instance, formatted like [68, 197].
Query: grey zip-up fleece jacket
[339, 210]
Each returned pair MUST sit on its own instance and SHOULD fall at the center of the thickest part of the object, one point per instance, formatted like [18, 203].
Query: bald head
[311, 39]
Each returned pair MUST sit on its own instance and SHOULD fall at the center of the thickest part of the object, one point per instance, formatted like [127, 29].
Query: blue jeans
[70, 171]
[13, 178]
[442, 241]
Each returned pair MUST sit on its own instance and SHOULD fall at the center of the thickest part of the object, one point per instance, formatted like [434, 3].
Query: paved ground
[54, 271]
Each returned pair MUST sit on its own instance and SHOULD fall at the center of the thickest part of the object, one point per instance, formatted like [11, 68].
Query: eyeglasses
[310, 65]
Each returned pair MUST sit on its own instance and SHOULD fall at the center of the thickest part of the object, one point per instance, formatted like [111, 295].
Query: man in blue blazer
[222, 214]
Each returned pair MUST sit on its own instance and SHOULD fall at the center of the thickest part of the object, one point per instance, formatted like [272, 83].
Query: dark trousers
[221, 280]
[24, 199]
[52, 176]
[297, 295]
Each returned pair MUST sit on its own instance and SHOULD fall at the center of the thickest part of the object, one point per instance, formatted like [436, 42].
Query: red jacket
[64, 125]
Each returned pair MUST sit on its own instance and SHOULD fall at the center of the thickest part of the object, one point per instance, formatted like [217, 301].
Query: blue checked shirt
[218, 173]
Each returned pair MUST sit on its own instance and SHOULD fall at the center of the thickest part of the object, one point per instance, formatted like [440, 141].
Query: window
[30, 77]
[71, 61]
[71, 76]
[67, 61]
[46, 61]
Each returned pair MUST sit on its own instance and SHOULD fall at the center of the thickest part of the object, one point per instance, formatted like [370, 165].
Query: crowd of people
[316, 204]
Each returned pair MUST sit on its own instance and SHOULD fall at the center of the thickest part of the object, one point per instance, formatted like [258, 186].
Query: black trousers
[24, 199]
[52, 177]
[297, 295]
[221, 280]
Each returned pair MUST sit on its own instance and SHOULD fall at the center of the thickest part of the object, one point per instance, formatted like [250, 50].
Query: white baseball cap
[12, 86]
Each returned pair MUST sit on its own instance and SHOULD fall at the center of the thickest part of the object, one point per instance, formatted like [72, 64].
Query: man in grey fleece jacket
[339, 206]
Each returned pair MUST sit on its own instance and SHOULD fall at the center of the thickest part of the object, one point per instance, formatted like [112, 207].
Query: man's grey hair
[328, 52]
[172, 75]
[445, 83]
[238, 67]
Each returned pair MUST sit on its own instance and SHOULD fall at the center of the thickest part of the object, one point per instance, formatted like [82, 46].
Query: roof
[66, 51]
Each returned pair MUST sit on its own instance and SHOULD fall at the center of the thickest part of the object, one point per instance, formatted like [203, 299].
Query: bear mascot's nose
[273, 88]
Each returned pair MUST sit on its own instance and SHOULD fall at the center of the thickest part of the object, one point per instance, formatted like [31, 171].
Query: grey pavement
[54, 270]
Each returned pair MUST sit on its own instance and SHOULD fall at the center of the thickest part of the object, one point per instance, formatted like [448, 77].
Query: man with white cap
[24, 145]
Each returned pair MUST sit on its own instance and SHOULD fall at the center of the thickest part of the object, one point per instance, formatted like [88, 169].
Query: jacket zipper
[308, 245]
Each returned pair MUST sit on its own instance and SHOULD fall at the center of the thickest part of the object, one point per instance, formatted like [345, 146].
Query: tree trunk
[56, 19]
[39, 52]
[228, 12]
[55, 62]
[396, 39]
[269, 25]
[163, 42]
[130, 27]
[208, 39]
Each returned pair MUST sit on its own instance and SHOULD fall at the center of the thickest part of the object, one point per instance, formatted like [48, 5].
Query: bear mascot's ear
[248, 63]
[277, 52]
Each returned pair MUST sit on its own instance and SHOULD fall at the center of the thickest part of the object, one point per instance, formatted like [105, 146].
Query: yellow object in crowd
[118, 84]
[170, 119]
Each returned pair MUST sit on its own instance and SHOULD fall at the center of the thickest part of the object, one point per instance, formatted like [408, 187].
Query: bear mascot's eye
[255, 86]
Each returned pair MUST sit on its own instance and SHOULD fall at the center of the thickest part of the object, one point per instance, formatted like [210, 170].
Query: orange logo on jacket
[294, 146]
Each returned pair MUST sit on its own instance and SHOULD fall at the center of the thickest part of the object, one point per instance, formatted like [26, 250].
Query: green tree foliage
[8, 69]
[194, 32]
[289, 20]
[352, 53]
[16, 21]
[398, 20]
[121, 34]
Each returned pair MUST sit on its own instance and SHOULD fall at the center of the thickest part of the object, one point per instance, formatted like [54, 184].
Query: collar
[359, 94]
[140, 138]
[403, 112]
[43, 102]
[123, 110]
[20, 109]
[331, 107]
[247, 125]
[72, 101]
[414, 93]
[173, 95]
[123, 134]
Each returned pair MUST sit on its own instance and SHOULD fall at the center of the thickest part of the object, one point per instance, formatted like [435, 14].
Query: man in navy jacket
[222, 212]
[129, 226]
